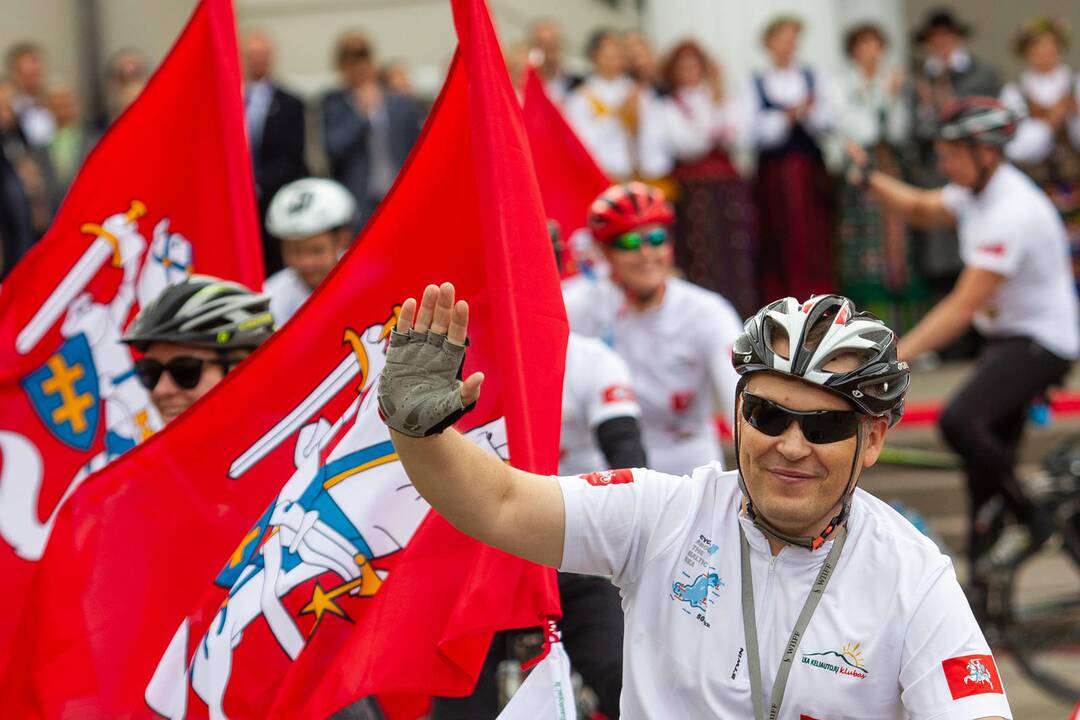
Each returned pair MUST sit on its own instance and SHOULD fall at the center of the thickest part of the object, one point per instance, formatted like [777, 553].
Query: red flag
[568, 176]
[266, 555]
[168, 189]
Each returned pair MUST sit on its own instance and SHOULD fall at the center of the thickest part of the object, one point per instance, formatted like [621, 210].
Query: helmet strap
[810, 542]
[985, 171]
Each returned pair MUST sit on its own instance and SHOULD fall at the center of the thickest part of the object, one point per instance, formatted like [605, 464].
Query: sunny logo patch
[848, 661]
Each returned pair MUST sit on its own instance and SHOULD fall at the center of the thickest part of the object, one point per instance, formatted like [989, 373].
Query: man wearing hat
[949, 72]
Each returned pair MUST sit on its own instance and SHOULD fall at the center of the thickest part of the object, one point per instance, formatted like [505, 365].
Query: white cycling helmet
[308, 207]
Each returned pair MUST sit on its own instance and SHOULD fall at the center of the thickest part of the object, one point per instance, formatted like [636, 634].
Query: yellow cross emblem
[73, 406]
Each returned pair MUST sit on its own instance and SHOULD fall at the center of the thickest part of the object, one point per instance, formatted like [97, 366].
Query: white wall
[51, 24]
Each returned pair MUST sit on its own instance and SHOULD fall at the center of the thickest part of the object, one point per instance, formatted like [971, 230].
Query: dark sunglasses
[634, 239]
[185, 371]
[818, 426]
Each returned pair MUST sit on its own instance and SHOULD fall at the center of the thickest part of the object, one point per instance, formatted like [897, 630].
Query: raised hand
[419, 390]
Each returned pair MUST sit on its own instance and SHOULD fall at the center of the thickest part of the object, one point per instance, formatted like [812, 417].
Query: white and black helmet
[818, 331]
[308, 207]
[205, 312]
[978, 120]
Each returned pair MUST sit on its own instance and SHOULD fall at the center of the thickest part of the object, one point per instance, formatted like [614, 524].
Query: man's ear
[874, 440]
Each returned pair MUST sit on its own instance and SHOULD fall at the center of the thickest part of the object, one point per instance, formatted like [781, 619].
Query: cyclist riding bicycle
[1016, 289]
[191, 335]
[776, 590]
[675, 337]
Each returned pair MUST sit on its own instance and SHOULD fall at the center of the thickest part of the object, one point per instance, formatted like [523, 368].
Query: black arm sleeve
[620, 441]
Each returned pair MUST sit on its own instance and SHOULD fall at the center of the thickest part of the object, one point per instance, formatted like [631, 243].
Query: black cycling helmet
[205, 312]
[818, 331]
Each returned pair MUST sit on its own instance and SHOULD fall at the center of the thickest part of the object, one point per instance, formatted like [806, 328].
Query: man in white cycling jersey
[1017, 289]
[776, 590]
[675, 337]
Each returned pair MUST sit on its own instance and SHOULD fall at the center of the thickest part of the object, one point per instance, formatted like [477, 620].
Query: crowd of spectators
[760, 212]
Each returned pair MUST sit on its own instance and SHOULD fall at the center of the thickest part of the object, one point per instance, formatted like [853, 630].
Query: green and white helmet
[206, 312]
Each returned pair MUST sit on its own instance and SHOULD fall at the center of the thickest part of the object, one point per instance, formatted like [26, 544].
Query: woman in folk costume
[877, 262]
[615, 116]
[1047, 142]
[790, 114]
[716, 228]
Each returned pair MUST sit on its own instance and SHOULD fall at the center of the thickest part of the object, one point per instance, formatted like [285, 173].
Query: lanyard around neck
[753, 657]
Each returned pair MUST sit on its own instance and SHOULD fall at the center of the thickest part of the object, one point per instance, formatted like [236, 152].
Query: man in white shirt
[674, 336]
[26, 65]
[776, 590]
[1016, 289]
[313, 219]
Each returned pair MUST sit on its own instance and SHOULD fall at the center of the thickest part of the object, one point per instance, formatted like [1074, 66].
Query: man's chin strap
[984, 171]
[810, 542]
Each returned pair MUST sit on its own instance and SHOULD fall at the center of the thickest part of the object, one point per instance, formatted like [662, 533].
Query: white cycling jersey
[287, 293]
[679, 355]
[596, 389]
[892, 637]
[1011, 228]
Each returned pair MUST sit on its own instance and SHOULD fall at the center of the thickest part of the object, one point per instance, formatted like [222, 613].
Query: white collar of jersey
[792, 555]
[994, 183]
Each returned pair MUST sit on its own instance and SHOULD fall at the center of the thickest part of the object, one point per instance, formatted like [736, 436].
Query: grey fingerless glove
[420, 387]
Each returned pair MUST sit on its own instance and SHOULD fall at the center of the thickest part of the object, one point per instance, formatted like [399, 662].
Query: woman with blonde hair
[1047, 142]
[790, 115]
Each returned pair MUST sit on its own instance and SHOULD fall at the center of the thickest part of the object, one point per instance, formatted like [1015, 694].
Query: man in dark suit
[275, 128]
[368, 130]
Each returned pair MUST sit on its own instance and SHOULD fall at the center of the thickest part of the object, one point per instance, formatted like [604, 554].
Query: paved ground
[939, 496]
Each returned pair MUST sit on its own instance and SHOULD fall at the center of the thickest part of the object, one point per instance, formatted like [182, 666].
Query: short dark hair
[352, 45]
[863, 30]
[595, 40]
[16, 51]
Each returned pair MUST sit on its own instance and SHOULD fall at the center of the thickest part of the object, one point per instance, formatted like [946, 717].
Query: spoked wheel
[1038, 608]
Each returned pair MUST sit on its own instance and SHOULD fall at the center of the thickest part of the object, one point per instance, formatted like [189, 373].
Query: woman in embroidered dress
[1047, 142]
[715, 231]
[790, 115]
[878, 265]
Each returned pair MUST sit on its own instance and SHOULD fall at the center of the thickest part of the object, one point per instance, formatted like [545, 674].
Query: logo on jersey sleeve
[997, 249]
[618, 393]
[972, 675]
[609, 477]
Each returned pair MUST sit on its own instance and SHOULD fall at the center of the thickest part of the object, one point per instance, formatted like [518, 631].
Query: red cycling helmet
[622, 208]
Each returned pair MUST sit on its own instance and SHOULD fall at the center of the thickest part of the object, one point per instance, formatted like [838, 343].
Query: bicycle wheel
[1039, 611]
